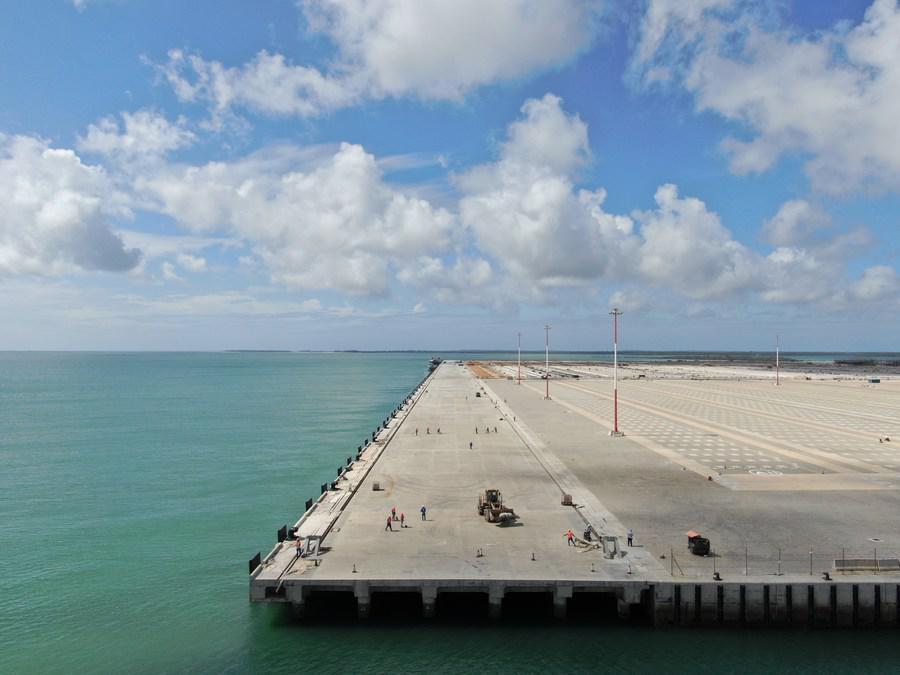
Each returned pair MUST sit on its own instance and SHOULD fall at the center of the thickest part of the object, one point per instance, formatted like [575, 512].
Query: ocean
[134, 487]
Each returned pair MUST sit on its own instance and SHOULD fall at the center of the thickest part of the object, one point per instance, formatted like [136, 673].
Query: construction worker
[630, 536]
[402, 520]
[393, 513]
[423, 510]
[570, 538]
[388, 526]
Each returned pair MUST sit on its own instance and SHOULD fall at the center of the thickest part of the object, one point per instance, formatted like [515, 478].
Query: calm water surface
[134, 487]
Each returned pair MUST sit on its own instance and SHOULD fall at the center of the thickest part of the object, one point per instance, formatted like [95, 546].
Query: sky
[387, 174]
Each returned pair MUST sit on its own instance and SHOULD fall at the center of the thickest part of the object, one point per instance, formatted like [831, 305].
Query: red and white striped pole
[547, 362]
[615, 313]
[519, 377]
[777, 349]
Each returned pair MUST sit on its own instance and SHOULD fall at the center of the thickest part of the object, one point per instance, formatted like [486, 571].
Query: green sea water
[134, 487]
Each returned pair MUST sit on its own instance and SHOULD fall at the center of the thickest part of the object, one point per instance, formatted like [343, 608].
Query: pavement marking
[793, 420]
[672, 455]
[818, 458]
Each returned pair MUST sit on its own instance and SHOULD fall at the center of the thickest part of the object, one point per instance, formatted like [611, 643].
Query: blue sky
[391, 175]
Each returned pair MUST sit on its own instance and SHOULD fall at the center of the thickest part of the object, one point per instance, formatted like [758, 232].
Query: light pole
[777, 347]
[519, 376]
[547, 362]
[615, 314]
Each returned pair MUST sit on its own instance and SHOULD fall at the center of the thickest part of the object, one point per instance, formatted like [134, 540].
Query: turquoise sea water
[134, 487]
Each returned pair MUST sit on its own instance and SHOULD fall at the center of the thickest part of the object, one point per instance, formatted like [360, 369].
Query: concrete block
[865, 605]
[731, 604]
[844, 604]
[800, 610]
[429, 601]
[663, 608]
[888, 604]
[561, 595]
[822, 604]
[495, 601]
[709, 604]
[363, 602]
[778, 609]
[754, 609]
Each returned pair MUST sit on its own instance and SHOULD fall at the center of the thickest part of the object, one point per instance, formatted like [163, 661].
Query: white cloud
[429, 49]
[876, 283]
[142, 134]
[169, 273]
[55, 212]
[686, 247]
[326, 222]
[467, 281]
[524, 210]
[191, 263]
[833, 96]
[796, 222]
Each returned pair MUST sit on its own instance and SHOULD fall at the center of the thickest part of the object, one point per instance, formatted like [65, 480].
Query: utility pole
[519, 377]
[615, 314]
[547, 362]
[777, 347]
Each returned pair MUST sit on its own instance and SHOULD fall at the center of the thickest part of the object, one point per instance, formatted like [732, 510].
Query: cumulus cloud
[333, 223]
[831, 96]
[542, 234]
[468, 280]
[796, 222]
[141, 134]
[686, 247]
[525, 212]
[428, 49]
[55, 212]
[876, 283]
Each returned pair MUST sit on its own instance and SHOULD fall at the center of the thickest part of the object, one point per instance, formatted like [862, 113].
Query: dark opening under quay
[462, 606]
[330, 605]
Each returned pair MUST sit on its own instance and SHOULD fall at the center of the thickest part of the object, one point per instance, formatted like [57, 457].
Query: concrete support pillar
[844, 609]
[363, 602]
[294, 595]
[257, 592]
[778, 610]
[731, 604]
[865, 605]
[561, 595]
[800, 611]
[822, 604]
[754, 608]
[630, 596]
[429, 601]
[663, 608]
[495, 601]
[709, 604]
[888, 604]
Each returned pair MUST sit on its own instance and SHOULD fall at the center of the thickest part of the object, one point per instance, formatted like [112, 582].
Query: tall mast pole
[547, 362]
[777, 348]
[519, 376]
[615, 313]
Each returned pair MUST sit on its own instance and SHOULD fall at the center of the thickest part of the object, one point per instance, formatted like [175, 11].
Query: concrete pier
[777, 533]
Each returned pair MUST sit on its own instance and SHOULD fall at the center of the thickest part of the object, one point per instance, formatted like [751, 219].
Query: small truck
[697, 544]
